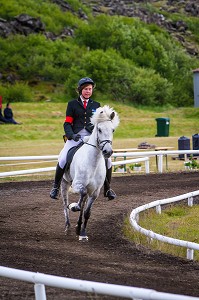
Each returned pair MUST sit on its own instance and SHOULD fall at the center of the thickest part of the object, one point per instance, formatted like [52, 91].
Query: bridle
[100, 144]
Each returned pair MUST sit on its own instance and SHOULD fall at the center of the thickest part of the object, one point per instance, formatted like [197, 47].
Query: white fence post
[160, 163]
[190, 201]
[158, 209]
[147, 166]
[40, 292]
[190, 253]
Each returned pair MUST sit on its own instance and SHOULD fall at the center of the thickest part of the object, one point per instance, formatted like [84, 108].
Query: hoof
[110, 194]
[83, 238]
[74, 207]
[54, 193]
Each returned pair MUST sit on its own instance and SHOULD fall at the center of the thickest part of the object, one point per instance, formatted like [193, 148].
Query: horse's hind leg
[65, 185]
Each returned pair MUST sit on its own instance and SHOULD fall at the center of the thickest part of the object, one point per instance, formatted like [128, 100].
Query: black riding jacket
[77, 117]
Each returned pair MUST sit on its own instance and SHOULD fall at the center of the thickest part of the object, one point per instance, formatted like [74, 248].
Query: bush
[129, 60]
[192, 163]
[148, 48]
[119, 79]
[19, 92]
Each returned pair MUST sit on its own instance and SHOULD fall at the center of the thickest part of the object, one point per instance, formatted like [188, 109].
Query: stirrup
[54, 193]
[110, 194]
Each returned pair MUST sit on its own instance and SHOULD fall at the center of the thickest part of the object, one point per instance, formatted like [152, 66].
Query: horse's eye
[100, 130]
[113, 130]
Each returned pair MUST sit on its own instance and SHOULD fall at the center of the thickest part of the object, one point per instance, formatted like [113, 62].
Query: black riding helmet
[83, 83]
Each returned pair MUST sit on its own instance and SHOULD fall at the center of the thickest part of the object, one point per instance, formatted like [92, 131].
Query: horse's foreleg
[77, 206]
[83, 193]
[87, 214]
[64, 192]
[79, 222]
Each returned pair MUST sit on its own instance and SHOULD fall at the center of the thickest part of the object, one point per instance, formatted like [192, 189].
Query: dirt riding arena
[32, 238]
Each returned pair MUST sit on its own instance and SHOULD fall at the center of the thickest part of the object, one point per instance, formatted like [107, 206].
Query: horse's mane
[105, 113]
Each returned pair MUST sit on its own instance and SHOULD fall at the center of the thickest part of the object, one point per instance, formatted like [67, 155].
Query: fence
[134, 218]
[158, 154]
[53, 157]
[40, 280]
[141, 156]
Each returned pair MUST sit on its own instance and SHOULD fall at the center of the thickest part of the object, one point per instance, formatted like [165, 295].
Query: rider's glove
[76, 137]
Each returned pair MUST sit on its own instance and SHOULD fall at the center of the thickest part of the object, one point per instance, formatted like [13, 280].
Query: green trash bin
[163, 126]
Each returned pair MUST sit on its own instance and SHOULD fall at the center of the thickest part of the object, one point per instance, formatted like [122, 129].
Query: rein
[90, 145]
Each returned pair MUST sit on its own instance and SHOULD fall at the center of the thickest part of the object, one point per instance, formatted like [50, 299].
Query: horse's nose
[107, 154]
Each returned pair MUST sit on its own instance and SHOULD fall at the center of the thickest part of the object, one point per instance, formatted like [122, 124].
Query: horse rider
[77, 125]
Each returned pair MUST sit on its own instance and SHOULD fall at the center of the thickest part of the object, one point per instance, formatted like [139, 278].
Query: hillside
[146, 50]
[171, 15]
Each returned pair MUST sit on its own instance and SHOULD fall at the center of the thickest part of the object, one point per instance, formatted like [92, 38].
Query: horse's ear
[112, 115]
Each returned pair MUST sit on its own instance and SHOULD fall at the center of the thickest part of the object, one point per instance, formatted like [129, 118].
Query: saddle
[71, 153]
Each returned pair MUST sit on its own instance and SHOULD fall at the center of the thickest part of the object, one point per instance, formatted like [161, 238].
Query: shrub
[135, 165]
[120, 79]
[192, 163]
[19, 92]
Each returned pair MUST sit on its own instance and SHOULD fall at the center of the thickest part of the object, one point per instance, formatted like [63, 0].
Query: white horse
[87, 171]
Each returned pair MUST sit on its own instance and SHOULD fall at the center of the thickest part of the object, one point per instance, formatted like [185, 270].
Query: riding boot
[108, 192]
[58, 178]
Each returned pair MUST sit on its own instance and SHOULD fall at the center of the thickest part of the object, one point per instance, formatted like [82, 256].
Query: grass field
[44, 121]
[42, 128]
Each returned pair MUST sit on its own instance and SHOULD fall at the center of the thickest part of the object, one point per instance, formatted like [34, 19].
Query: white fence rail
[40, 280]
[24, 172]
[142, 156]
[53, 157]
[134, 219]
[41, 157]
